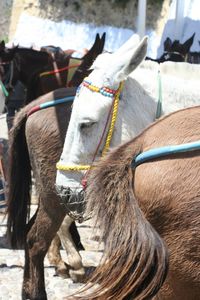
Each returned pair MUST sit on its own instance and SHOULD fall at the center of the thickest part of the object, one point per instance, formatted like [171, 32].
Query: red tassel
[84, 183]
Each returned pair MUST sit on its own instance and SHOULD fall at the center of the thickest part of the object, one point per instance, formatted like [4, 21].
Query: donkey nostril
[67, 192]
[84, 183]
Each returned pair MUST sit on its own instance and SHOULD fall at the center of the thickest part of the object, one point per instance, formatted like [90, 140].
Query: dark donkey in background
[46, 70]
[41, 71]
[175, 51]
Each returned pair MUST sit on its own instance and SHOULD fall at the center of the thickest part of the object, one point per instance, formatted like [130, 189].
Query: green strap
[4, 89]
[159, 105]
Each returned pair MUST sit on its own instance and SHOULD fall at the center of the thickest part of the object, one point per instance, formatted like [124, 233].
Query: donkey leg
[39, 238]
[54, 251]
[55, 258]
[77, 271]
[26, 279]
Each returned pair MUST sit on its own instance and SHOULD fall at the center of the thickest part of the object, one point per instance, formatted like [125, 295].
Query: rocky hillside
[5, 17]
[119, 13]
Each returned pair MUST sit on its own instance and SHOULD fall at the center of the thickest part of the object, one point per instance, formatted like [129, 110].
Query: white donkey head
[93, 113]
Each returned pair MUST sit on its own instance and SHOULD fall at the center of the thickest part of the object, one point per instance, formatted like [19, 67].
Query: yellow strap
[62, 167]
[44, 73]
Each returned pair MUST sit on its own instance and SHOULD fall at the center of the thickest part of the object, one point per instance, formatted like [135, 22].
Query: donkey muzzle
[73, 201]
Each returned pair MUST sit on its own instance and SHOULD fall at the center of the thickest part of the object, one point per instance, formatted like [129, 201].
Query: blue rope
[56, 102]
[164, 151]
[4, 89]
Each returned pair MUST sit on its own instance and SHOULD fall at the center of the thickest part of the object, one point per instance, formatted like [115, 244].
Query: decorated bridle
[107, 92]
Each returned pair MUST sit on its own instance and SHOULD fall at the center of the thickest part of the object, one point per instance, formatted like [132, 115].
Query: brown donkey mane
[127, 205]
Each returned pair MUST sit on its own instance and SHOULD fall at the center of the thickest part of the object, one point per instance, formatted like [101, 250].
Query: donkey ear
[130, 44]
[92, 51]
[167, 44]
[99, 44]
[188, 44]
[130, 62]
[102, 39]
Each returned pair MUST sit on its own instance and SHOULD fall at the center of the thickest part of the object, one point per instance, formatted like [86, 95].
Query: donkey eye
[86, 125]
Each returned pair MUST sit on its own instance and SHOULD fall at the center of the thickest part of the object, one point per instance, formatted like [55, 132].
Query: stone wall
[101, 12]
[5, 17]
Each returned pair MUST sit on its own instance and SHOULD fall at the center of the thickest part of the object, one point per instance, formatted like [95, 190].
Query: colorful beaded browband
[103, 90]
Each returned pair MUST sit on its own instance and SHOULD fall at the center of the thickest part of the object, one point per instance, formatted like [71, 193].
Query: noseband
[107, 92]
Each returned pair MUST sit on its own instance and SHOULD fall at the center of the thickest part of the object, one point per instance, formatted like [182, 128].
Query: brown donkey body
[143, 212]
[36, 144]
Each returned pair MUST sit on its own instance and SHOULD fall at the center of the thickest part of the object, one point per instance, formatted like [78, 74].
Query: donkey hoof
[62, 270]
[62, 273]
[77, 275]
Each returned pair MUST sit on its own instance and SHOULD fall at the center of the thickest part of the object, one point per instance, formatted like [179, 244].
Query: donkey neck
[30, 61]
[134, 102]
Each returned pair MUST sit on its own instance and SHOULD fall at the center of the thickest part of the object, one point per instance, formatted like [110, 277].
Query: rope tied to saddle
[50, 104]
[164, 151]
[71, 69]
[58, 70]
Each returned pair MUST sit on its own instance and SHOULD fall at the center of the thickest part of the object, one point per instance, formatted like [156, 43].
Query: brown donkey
[145, 210]
[36, 144]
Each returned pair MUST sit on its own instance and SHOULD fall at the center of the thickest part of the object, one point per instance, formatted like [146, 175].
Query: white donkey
[92, 113]
[137, 106]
